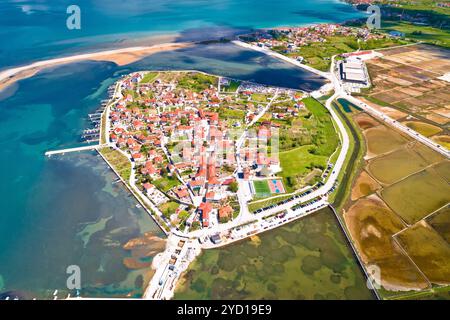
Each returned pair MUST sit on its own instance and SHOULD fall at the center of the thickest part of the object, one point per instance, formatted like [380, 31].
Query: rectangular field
[417, 196]
[267, 188]
[261, 188]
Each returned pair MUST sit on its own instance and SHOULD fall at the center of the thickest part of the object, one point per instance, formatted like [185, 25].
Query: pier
[85, 148]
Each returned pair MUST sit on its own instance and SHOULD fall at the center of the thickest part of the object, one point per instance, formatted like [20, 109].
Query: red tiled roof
[225, 211]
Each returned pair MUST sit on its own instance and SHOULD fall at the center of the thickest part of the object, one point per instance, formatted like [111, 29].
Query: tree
[184, 121]
[233, 187]
[164, 172]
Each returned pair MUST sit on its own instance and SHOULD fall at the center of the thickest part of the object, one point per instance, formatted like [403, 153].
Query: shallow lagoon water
[306, 259]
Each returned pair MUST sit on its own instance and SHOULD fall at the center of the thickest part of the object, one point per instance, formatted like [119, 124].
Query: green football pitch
[261, 188]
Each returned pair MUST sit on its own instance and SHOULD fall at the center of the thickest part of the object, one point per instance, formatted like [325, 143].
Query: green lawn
[418, 32]
[261, 188]
[259, 97]
[306, 143]
[253, 206]
[326, 138]
[234, 85]
[167, 183]
[297, 163]
[196, 81]
[169, 208]
[149, 77]
[227, 113]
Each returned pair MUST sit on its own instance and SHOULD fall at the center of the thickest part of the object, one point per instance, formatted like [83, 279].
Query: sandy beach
[119, 56]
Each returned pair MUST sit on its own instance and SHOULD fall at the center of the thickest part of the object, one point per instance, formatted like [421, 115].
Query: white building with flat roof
[353, 70]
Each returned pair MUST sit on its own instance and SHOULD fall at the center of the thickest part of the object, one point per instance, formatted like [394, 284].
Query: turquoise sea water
[66, 210]
[36, 29]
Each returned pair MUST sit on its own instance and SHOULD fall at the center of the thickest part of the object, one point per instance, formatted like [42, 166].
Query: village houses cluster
[183, 152]
[294, 37]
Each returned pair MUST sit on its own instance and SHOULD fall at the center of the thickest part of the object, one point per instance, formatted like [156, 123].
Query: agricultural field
[417, 196]
[405, 160]
[429, 251]
[364, 186]
[381, 140]
[419, 33]
[372, 224]
[410, 84]
[423, 128]
[440, 221]
[398, 210]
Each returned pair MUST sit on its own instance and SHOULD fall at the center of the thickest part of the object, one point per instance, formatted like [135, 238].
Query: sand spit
[119, 56]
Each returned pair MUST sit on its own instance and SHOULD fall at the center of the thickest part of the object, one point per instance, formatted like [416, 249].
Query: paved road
[394, 123]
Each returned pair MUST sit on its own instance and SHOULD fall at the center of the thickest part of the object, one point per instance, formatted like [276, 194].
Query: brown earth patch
[371, 225]
[365, 121]
[429, 251]
[364, 186]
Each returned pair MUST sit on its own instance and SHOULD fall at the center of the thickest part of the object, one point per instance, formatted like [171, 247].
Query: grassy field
[253, 206]
[169, 208]
[352, 161]
[259, 97]
[318, 54]
[226, 113]
[423, 128]
[165, 184]
[120, 163]
[326, 138]
[261, 188]
[297, 163]
[232, 87]
[419, 33]
[149, 77]
[196, 81]
[306, 144]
